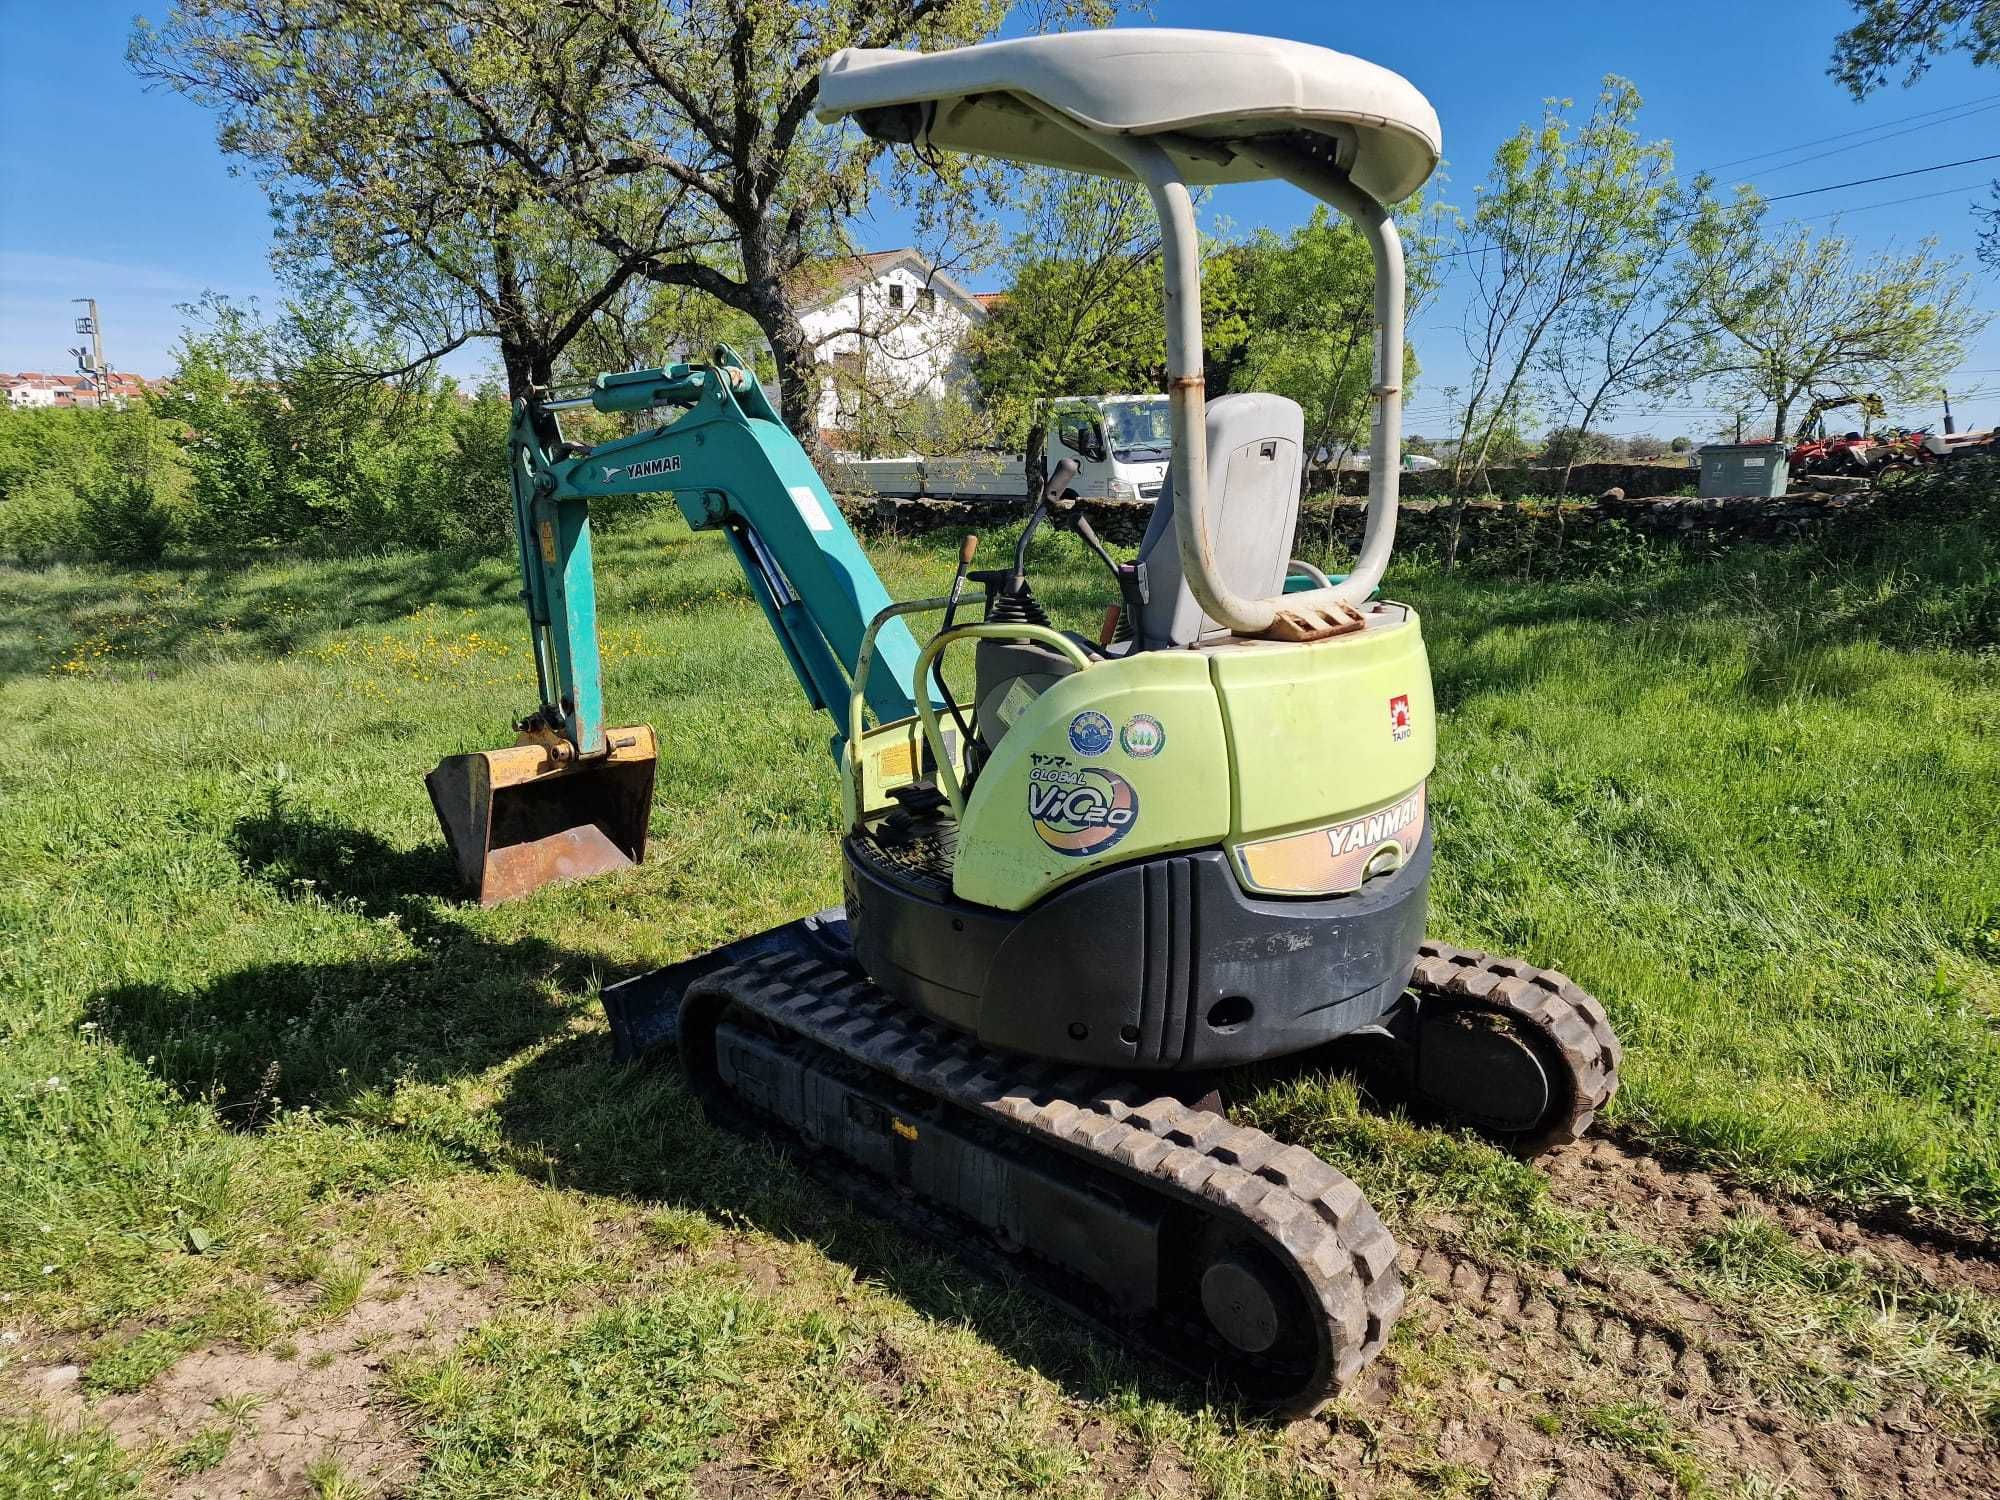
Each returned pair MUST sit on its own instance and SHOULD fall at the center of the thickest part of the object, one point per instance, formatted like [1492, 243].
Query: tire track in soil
[1657, 1200]
[1547, 1343]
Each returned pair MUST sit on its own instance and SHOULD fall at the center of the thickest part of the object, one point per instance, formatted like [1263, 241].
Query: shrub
[122, 521]
[1580, 445]
[41, 520]
[66, 473]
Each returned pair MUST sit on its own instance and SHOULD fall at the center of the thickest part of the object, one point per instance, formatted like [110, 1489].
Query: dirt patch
[1655, 1200]
[735, 1481]
[284, 1414]
[1567, 1379]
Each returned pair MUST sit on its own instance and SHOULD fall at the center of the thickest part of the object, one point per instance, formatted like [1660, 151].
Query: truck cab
[1122, 444]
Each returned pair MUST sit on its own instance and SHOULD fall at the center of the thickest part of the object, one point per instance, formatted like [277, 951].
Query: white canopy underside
[1203, 93]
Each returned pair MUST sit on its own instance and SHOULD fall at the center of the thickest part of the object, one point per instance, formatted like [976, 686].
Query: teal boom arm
[731, 465]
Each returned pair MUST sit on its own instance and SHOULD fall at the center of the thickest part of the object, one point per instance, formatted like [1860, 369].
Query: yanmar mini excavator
[1120, 869]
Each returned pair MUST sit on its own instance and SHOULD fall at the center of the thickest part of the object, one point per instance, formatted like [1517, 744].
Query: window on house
[927, 299]
[895, 294]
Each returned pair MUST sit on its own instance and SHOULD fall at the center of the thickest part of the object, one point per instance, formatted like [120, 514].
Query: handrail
[927, 711]
[857, 700]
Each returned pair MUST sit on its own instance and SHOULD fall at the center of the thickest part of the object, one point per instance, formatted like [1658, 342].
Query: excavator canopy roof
[1203, 92]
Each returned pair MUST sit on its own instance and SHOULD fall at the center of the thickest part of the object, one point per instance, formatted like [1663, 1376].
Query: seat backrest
[1254, 444]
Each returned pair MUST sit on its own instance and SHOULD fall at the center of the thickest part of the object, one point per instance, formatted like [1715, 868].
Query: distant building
[887, 326]
[32, 388]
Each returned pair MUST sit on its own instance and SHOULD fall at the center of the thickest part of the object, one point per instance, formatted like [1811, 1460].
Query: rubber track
[1561, 1010]
[1302, 1209]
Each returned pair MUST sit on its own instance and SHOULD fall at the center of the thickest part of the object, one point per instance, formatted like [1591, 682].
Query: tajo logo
[1079, 810]
[1399, 717]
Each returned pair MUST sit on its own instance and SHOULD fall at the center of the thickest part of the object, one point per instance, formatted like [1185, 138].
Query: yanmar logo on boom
[1079, 810]
[646, 470]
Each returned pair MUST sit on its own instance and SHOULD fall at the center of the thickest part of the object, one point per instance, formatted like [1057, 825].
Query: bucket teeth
[518, 819]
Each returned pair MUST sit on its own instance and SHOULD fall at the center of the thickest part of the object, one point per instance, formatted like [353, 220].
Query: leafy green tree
[673, 134]
[1644, 326]
[1308, 313]
[1910, 35]
[384, 178]
[1802, 314]
[1081, 313]
[1081, 316]
[1558, 210]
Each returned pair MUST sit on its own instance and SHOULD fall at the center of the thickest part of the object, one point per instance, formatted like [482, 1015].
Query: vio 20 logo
[1079, 810]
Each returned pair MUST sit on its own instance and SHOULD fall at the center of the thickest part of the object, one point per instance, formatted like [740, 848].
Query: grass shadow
[163, 615]
[324, 1034]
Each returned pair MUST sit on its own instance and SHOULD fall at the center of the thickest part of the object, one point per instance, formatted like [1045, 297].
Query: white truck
[1121, 445]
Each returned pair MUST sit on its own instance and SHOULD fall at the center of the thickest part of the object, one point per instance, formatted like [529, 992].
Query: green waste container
[1745, 469]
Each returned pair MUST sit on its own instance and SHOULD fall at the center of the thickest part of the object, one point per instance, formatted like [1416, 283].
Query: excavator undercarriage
[1245, 1263]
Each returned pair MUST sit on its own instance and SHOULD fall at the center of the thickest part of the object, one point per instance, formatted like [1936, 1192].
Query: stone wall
[1486, 524]
[1641, 480]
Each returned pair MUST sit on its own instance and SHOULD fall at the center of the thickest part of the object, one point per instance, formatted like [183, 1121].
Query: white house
[31, 389]
[888, 326]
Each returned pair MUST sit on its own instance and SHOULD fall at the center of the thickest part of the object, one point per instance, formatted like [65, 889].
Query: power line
[1831, 187]
[1862, 208]
[1878, 140]
[1970, 105]
[1885, 177]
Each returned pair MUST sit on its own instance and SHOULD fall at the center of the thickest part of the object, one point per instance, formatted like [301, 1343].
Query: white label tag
[1753, 463]
[809, 507]
[1019, 696]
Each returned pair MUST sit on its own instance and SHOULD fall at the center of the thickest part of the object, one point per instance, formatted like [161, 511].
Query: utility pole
[92, 363]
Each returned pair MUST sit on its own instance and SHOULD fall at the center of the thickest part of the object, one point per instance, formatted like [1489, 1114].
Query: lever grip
[966, 548]
[1059, 479]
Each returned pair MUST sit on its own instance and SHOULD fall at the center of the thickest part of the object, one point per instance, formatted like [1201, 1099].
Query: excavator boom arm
[731, 465]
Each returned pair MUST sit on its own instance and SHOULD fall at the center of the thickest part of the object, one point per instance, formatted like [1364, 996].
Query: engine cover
[1159, 964]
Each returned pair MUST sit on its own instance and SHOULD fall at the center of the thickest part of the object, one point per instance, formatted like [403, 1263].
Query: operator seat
[1254, 454]
[1253, 486]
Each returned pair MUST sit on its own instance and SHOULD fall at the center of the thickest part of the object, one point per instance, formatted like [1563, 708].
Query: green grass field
[261, 1071]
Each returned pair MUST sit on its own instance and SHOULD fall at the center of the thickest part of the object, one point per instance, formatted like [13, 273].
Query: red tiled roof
[830, 278]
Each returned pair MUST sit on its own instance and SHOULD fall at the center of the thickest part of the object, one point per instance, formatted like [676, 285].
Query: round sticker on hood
[1090, 733]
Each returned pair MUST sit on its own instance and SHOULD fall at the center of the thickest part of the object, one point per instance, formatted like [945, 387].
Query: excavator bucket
[517, 819]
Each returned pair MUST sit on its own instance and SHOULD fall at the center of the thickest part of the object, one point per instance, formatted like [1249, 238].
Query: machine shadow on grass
[343, 1036]
[295, 1033]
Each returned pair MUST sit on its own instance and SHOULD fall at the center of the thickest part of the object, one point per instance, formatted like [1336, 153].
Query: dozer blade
[517, 820]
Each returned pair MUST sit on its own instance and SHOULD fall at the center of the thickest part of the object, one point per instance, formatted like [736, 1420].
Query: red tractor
[1816, 451]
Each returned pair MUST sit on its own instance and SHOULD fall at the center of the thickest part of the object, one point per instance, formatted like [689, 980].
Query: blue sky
[108, 190]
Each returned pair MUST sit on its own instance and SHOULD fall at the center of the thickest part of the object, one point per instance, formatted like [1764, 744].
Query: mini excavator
[1119, 869]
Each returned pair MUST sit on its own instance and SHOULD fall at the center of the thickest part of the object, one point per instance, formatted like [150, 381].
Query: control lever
[1124, 575]
[1051, 498]
[965, 550]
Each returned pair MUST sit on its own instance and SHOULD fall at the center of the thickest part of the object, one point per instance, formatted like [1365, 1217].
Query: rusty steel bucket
[519, 819]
